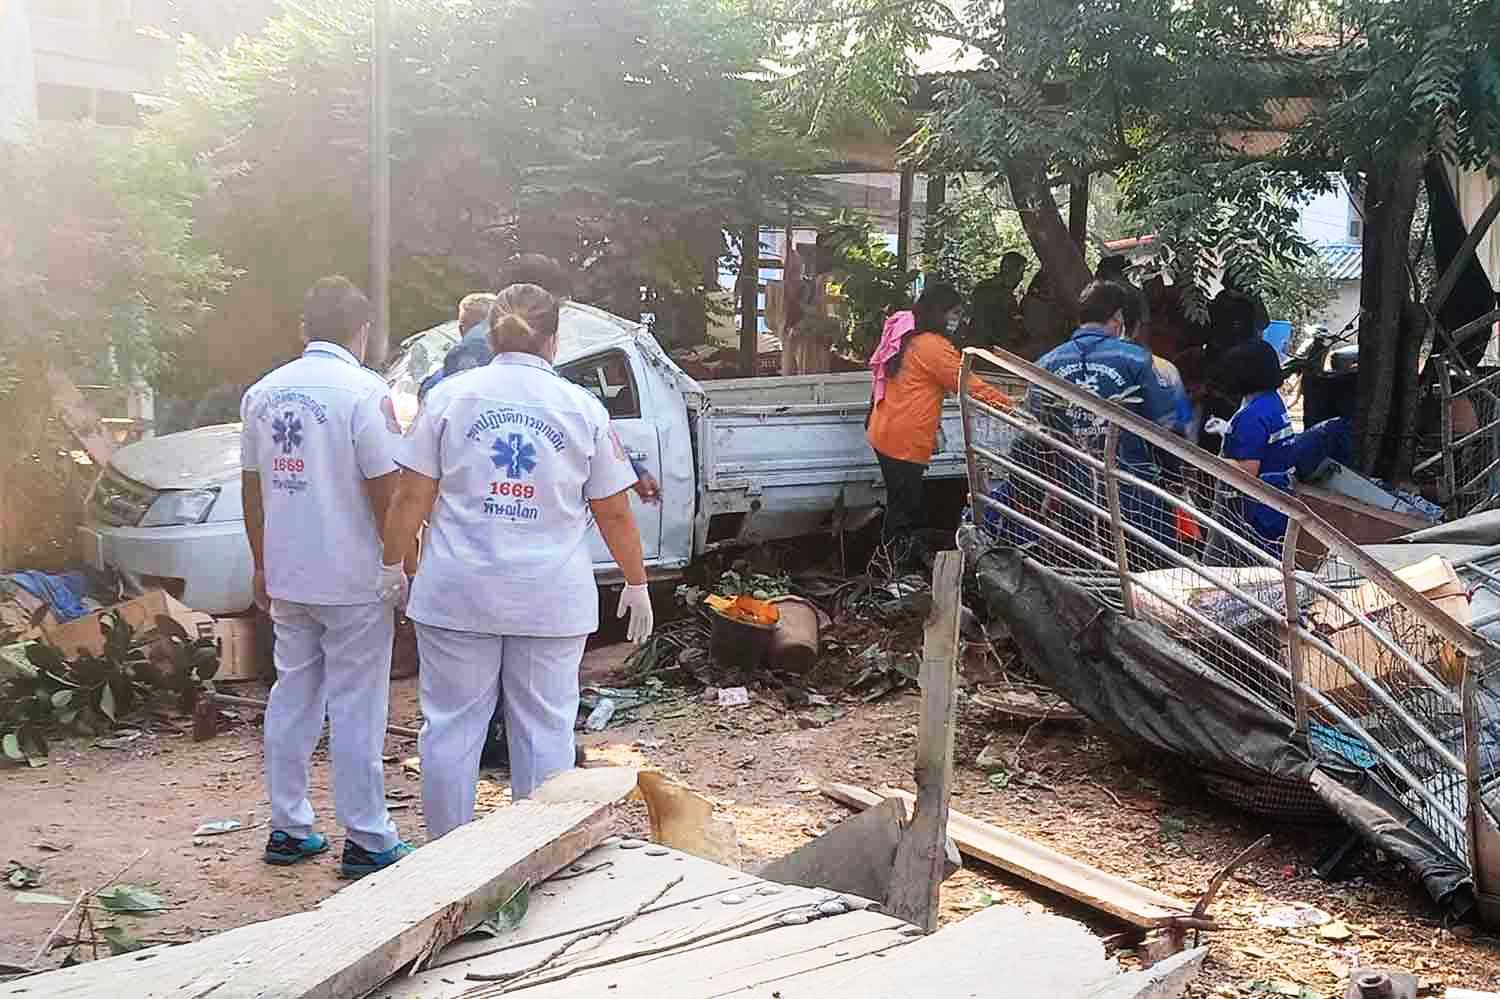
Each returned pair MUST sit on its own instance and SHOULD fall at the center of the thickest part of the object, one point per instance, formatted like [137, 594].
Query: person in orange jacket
[916, 366]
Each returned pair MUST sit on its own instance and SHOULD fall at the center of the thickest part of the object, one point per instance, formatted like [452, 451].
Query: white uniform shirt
[315, 430]
[518, 452]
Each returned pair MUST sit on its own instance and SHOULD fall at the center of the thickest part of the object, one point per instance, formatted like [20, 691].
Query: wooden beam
[903, 219]
[920, 857]
[750, 299]
[80, 417]
[1041, 865]
[856, 856]
[362, 935]
[1456, 265]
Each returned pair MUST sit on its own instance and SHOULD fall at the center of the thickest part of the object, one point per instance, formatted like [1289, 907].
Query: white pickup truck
[739, 461]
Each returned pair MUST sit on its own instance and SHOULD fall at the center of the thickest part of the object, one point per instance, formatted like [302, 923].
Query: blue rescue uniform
[1261, 430]
[1125, 373]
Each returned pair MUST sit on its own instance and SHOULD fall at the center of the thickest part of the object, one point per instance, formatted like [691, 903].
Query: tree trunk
[1389, 338]
[1060, 256]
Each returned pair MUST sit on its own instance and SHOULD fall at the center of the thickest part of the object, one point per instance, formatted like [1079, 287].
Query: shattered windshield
[420, 356]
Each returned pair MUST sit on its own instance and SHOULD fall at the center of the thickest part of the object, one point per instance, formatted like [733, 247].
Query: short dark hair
[334, 310]
[1250, 366]
[538, 269]
[1100, 300]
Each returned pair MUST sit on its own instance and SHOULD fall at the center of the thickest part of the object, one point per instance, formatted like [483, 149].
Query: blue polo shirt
[1122, 372]
[1261, 430]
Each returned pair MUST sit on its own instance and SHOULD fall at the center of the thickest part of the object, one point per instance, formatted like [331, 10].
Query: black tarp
[1132, 679]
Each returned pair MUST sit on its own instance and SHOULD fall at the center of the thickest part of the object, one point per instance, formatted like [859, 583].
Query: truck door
[610, 379]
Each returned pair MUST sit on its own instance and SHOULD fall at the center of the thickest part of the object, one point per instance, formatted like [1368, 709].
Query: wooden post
[750, 299]
[1078, 210]
[903, 219]
[922, 852]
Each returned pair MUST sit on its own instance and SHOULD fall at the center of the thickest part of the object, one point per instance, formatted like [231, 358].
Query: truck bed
[780, 457]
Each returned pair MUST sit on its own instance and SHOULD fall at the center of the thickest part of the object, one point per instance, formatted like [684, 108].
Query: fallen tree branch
[47, 943]
[602, 931]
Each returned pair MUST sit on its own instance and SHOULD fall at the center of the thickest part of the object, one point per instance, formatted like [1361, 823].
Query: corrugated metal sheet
[1343, 260]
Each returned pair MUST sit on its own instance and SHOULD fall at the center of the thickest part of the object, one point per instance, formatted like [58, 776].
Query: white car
[739, 461]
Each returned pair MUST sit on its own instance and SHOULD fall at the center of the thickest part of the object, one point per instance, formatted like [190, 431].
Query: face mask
[952, 325]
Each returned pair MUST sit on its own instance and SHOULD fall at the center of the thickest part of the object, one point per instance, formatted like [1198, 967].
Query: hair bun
[511, 327]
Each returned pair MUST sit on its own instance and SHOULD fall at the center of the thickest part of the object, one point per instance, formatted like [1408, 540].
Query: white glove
[635, 600]
[393, 586]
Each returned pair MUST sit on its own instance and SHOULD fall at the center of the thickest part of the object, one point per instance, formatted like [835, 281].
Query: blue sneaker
[283, 849]
[358, 861]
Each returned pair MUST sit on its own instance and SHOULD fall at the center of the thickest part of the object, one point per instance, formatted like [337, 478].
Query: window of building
[1356, 228]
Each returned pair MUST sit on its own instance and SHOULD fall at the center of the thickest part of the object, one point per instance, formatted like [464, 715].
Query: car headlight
[176, 507]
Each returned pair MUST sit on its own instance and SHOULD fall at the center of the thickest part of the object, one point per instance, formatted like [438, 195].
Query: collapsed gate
[1367, 674]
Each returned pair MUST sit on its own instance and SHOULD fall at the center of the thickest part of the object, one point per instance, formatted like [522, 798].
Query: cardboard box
[85, 636]
[1434, 578]
[237, 658]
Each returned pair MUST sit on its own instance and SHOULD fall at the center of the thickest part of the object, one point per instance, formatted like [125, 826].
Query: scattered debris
[121, 741]
[21, 876]
[599, 717]
[1292, 917]
[1133, 903]
[1025, 701]
[218, 827]
[733, 697]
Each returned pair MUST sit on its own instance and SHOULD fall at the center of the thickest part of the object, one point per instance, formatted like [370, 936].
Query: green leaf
[62, 698]
[18, 875]
[507, 917]
[130, 898]
[999, 778]
[11, 745]
[119, 941]
[107, 702]
[38, 898]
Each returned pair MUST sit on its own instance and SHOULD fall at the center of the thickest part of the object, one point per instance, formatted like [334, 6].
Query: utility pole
[380, 183]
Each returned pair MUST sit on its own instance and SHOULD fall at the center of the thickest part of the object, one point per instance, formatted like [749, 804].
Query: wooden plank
[1000, 951]
[739, 966]
[1027, 859]
[360, 936]
[856, 856]
[601, 886]
[705, 933]
[149, 972]
[80, 417]
[920, 857]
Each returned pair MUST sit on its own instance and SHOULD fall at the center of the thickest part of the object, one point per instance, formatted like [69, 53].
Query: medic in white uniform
[317, 452]
[509, 464]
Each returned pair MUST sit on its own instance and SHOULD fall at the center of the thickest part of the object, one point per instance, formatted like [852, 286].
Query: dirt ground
[92, 811]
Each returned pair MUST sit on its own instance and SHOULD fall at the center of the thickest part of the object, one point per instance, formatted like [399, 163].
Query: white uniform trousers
[334, 661]
[462, 673]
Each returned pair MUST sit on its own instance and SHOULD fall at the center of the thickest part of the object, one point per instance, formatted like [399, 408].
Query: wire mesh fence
[1366, 663]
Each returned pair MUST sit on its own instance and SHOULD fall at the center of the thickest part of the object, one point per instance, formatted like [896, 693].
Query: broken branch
[602, 931]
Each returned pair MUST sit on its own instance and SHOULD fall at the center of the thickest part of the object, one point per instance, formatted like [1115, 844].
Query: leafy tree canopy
[621, 135]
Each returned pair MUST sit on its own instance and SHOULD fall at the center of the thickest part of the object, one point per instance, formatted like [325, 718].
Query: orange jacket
[904, 424]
